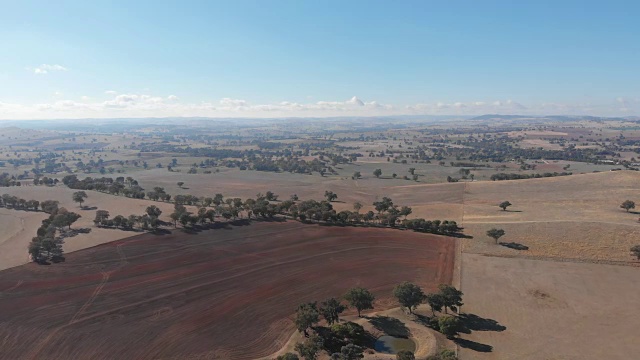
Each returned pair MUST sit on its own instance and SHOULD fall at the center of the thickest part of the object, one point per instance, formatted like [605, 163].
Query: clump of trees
[118, 186]
[16, 203]
[514, 176]
[46, 181]
[330, 195]
[143, 222]
[46, 245]
[347, 340]
[7, 180]
[635, 251]
[339, 340]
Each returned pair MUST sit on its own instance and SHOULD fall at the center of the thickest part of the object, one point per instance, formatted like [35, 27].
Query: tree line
[514, 176]
[268, 206]
[46, 245]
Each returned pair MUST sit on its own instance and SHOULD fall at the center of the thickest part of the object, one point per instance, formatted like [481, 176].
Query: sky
[316, 58]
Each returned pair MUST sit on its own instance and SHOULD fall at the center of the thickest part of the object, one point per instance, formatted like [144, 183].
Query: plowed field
[218, 294]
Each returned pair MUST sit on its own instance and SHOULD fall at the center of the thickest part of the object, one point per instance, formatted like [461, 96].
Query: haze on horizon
[116, 59]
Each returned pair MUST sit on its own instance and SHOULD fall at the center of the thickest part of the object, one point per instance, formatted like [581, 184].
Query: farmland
[227, 293]
[252, 221]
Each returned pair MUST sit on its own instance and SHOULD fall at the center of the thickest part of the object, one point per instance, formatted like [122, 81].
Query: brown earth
[228, 293]
[533, 309]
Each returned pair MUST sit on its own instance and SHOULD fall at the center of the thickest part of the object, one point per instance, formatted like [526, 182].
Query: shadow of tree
[473, 345]
[390, 326]
[423, 320]
[514, 245]
[472, 322]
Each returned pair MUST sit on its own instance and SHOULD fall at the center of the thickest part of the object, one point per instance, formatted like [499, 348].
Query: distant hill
[545, 117]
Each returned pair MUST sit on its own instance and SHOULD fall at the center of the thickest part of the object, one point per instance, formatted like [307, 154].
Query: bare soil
[533, 309]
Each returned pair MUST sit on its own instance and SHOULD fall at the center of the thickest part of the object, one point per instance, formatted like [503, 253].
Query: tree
[180, 183]
[330, 195]
[635, 251]
[66, 218]
[405, 211]
[357, 206]
[310, 348]
[495, 234]
[101, 217]
[153, 211]
[269, 195]
[175, 216]
[349, 332]
[412, 171]
[360, 298]
[405, 355]
[356, 175]
[349, 352]
[79, 197]
[628, 205]
[306, 316]
[504, 205]
[435, 301]
[449, 325]
[451, 297]
[377, 173]
[409, 295]
[331, 310]
[288, 356]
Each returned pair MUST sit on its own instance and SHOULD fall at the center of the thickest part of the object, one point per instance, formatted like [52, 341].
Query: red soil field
[227, 293]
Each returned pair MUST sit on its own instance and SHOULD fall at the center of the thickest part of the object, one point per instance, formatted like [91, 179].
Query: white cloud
[110, 92]
[46, 68]
[145, 105]
[233, 103]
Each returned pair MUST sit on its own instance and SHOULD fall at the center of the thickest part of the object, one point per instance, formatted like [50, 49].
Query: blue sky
[73, 59]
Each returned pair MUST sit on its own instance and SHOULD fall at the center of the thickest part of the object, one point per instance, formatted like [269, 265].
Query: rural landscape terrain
[469, 237]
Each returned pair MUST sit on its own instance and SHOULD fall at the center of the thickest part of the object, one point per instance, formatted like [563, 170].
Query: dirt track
[218, 294]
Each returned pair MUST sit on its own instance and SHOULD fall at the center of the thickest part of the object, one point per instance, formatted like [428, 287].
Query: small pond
[392, 345]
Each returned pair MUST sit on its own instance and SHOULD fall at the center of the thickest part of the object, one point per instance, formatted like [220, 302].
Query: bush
[405, 355]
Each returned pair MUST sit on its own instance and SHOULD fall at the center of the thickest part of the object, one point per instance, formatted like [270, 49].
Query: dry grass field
[18, 227]
[577, 217]
[568, 217]
[547, 310]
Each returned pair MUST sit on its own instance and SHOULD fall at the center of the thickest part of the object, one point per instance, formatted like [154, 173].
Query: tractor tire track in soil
[224, 293]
